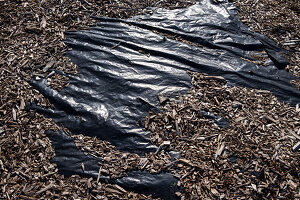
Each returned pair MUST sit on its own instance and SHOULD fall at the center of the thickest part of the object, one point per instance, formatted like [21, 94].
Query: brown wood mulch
[252, 158]
[256, 157]
[31, 39]
[280, 21]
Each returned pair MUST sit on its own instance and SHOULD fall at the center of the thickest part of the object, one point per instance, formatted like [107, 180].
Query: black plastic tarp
[124, 64]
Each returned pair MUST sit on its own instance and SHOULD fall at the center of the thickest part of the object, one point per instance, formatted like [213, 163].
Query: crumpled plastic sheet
[124, 64]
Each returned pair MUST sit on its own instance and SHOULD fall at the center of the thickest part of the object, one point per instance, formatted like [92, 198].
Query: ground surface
[31, 40]
[280, 21]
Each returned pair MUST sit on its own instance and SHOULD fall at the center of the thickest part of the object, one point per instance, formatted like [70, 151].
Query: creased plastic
[124, 64]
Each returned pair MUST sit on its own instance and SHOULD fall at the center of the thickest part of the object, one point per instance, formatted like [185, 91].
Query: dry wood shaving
[280, 21]
[31, 40]
[117, 163]
[253, 158]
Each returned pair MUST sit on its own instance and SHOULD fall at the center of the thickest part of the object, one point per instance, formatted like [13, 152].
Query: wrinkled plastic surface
[123, 65]
[70, 160]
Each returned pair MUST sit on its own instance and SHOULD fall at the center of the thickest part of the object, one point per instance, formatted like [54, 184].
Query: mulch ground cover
[256, 156]
[280, 21]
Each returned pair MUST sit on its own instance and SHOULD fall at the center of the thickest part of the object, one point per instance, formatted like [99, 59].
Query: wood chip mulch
[256, 157]
[280, 21]
[31, 40]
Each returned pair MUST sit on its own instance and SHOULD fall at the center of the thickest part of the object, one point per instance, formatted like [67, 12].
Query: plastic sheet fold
[124, 64]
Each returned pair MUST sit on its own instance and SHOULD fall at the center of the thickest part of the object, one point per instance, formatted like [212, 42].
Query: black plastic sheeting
[69, 161]
[123, 65]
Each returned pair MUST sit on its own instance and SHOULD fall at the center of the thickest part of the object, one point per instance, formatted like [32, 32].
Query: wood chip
[99, 174]
[14, 113]
[48, 65]
[50, 186]
[220, 149]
